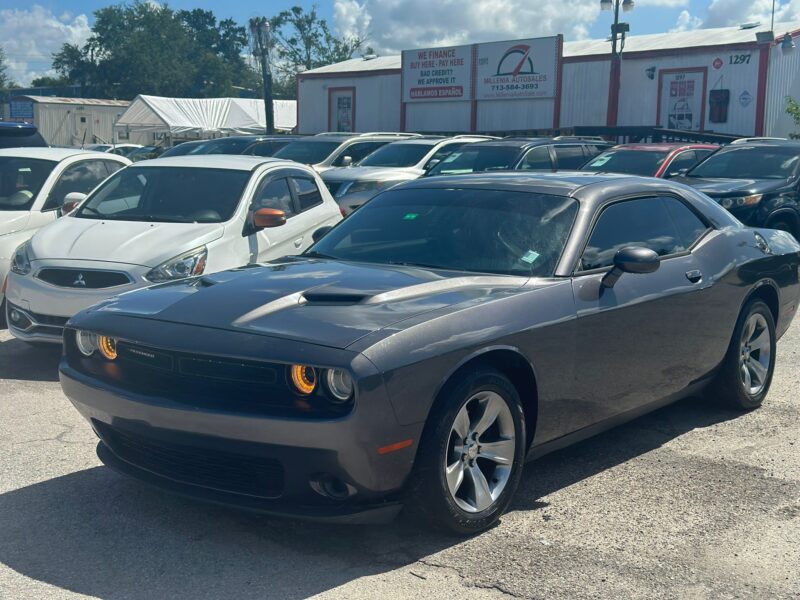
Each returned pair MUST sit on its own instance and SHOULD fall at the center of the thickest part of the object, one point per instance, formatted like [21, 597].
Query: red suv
[651, 160]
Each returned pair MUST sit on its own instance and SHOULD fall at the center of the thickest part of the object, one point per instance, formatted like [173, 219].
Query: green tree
[301, 41]
[793, 110]
[47, 81]
[145, 48]
[5, 80]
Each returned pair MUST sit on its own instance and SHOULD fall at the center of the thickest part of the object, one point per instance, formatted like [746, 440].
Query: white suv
[162, 220]
[33, 185]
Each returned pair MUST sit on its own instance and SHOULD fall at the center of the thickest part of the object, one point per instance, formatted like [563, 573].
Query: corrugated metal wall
[638, 103]
[64, 124]
[520, 114]
[438, 116]
[584, 97]
[782, 81]
[377, 102]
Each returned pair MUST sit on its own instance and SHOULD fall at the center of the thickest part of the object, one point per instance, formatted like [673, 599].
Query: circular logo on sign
[717, 64]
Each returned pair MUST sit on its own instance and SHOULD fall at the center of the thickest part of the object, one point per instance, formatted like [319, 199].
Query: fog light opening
[332, 487]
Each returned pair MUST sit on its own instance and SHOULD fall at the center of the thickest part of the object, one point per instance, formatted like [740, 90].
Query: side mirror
[432, 163]
[347, 161]
[631, 259]
[320, 233]
[677, 173]
[266, 218]
[71, 202]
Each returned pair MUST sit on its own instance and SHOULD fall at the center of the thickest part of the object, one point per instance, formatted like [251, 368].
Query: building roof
[50, 153]
[73, 101]
[635, 43]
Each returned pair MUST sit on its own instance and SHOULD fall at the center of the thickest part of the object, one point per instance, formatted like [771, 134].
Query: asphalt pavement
[689, 502]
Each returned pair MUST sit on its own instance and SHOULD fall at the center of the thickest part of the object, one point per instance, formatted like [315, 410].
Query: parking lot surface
[692, 501]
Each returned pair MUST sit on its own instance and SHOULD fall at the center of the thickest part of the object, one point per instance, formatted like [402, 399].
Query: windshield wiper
[400, 263]
[315, 254]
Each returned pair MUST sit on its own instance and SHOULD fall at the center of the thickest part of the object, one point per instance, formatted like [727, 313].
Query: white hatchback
[33, 185]
[161, 220]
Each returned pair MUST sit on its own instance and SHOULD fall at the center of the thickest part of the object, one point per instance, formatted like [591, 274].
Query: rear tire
[784, 225]
[745, 376]
[471, 454]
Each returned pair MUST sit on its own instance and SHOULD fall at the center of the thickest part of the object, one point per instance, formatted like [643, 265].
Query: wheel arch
[784, 214]
[766, 291]
[509, 361]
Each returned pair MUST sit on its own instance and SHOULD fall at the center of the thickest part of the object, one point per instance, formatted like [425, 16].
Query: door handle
[694, 275]
[298, 242]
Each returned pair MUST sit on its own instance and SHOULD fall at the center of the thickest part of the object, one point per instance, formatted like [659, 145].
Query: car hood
[128, 242]
[720, 188]
[323, 302]
[372, 174]
[13, 221]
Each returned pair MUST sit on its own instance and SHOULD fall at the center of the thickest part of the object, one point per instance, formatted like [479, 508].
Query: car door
[637, 341]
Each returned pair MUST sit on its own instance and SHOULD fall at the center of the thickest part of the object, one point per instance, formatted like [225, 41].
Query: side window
[81, 177]
[275, 193]
[113, 166]
[442, 153]
[640, 222]
[308, 193]
[570, 157]
[263, 149]
[690, 227]
[537, 158]
[701, 154]
[357, 152]
[593, 150]
[684, 160]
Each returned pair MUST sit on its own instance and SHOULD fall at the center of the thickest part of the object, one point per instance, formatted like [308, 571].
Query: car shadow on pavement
[94, 532]
[22, 361]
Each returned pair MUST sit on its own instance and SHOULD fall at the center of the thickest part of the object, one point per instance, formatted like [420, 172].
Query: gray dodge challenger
[430, 343]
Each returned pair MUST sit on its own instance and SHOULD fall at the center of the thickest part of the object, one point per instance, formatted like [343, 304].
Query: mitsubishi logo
[80, 281]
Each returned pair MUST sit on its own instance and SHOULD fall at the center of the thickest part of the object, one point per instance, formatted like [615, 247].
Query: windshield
[476, 230]
[307, 151]
[20, 181]
[396, 155]
[473, 158]
[168, 195]
[631, 162]
[754, 162]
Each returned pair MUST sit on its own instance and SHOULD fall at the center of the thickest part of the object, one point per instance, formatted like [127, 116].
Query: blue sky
[31, 30]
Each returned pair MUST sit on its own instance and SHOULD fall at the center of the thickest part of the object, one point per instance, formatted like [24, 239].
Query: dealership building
[732, 80]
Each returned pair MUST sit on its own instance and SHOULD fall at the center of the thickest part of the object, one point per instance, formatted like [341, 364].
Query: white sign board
[437, 74]
[681, 105]
[517, 69]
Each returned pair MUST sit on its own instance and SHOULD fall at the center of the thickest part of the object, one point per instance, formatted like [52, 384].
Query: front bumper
[48, 307]
[254, 462]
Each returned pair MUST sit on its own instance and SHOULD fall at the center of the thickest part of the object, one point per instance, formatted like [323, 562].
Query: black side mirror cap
[320, 233]
[631, 259]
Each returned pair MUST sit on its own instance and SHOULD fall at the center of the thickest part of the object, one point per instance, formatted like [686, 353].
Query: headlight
[182, 266]
[107, 346]
[86, 342]
[304, 378]
[21, 262]
[339, 385]
[741, 201]
[364, 186]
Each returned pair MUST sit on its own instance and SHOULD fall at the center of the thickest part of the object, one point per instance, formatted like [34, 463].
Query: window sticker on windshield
[410, 216]
[530, 256]
[600, 161]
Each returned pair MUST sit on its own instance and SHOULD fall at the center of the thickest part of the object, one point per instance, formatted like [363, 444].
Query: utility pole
[261, 33]
[618, 31]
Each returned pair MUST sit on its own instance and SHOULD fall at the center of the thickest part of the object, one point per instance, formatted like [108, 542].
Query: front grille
[195, 465]
[78, 279]
[214, 383]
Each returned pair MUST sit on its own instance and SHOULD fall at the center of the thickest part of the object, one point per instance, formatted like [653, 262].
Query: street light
[618, 31]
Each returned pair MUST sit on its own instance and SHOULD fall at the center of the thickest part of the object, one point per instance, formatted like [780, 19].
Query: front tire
[746, 373]
[470, 458]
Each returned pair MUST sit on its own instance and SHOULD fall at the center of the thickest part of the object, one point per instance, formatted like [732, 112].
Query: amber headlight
[86, 342]
[304, 378]
[108, 347]
[339, 385]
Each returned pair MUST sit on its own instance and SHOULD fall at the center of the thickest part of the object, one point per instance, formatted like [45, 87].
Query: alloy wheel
[480, 452]
[755, 354]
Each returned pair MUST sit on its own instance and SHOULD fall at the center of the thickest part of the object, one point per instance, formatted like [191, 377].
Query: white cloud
[666, 3]
[686, 22]
[722, 13]
[30, 37]
[393, 25]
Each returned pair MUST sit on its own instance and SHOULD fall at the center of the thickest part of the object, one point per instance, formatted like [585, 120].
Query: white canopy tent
[204, 117]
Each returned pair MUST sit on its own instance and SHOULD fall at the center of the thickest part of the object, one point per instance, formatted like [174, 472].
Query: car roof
[767, 144]
[49, 153]
[563, 183]
[236, 162]
[13, 125]
[663, 147]
[525, 142]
